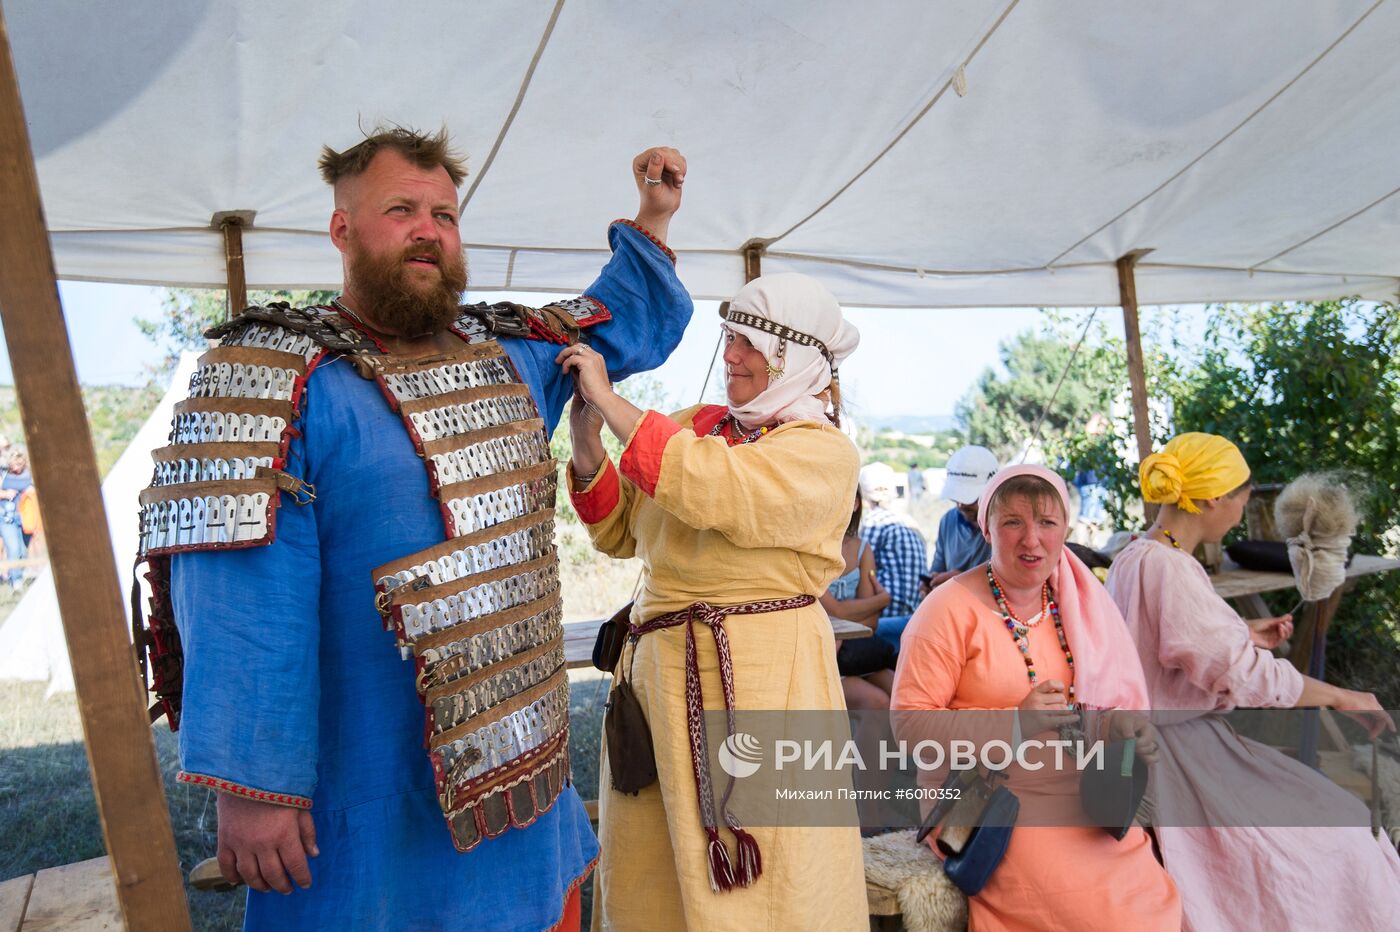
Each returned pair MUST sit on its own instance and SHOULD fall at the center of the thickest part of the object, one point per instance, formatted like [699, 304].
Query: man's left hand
[659, 173]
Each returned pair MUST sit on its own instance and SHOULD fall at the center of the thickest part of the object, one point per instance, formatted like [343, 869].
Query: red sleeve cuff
[649, 235]
[597, 501]
[238, 789]
[641, 461]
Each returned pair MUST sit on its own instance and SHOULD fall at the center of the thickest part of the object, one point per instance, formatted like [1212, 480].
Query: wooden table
[1308, 651]
[1243, 588]
[580, 635]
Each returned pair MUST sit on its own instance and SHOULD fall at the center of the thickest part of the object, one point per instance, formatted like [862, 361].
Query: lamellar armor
[479, 614]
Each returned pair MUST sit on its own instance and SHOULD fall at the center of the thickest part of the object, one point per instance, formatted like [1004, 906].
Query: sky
[910, 362]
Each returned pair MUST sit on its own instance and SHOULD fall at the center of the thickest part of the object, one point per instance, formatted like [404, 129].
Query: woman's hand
[586, 436]
[1364, 709]
[1124, 725]
[584, 419]
[1269, 633]
[589, 370]
[881, 592]
[1044, 709]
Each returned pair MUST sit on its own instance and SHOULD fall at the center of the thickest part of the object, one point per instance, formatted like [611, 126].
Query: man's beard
[381, 283]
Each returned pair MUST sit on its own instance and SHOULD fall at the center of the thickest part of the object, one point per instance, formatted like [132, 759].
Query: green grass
[48, 815]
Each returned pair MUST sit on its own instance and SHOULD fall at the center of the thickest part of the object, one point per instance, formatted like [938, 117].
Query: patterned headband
[781, 331]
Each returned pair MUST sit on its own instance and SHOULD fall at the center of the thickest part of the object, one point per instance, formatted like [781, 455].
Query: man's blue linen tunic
[292, 686]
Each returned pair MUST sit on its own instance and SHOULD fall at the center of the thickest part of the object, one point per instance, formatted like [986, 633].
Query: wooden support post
[1137, 376]
[111, 701]
[753, 259]
[231, 224]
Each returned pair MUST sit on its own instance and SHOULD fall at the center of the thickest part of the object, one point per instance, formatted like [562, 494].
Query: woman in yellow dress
[736, 512]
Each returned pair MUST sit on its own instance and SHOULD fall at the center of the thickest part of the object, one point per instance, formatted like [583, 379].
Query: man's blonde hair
[421, 149]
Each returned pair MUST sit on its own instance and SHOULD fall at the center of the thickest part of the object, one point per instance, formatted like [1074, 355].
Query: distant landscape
[115, 413]
[914, 423]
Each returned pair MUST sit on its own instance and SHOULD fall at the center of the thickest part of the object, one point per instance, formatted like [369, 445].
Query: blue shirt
[959, 546]
[292, 686]
[900, 555]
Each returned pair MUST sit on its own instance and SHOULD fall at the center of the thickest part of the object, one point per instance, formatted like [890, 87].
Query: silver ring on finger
[652, 181]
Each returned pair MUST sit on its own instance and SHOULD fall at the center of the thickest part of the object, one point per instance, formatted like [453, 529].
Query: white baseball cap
[877, 483]
[969, 470]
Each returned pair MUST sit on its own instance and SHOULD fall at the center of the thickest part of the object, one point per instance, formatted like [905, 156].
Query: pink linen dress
[1198, 658]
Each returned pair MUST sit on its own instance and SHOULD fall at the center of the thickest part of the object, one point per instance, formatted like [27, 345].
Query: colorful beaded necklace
[1019, 630]
[1171, 538]
[734, 439]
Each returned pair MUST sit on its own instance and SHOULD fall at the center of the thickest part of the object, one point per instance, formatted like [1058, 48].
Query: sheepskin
[927, 898]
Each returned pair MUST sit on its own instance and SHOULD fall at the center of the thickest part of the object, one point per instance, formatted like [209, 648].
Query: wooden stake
[1137, 376]
[111, 701]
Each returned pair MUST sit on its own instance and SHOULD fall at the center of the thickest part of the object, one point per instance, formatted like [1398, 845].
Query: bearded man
[355, 591]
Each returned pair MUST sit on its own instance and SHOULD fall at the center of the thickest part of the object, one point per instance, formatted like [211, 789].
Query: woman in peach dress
[1033, 631]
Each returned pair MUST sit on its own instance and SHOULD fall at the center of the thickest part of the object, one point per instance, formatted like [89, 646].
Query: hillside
[115, 413]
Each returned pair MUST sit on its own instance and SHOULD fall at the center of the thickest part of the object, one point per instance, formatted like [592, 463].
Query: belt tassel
[723, 876]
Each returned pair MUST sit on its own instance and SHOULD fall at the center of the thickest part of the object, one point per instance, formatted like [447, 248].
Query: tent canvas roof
[1248, 145]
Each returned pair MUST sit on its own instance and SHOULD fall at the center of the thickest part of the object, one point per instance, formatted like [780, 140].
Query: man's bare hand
[261, 843]
[664, 168]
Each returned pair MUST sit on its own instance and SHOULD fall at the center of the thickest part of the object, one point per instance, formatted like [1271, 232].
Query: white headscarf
[803, 304]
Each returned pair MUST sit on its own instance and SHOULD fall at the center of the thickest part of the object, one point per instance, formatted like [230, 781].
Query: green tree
[185, 313]
[1306, 387]
[1087, 422]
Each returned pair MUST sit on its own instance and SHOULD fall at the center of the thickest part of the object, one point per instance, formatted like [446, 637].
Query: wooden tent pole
[231, 224]
[753, 259]
[1137, 376]
[111, 701]
[233, 259]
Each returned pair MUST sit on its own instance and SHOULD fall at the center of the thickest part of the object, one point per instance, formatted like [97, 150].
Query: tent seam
[1221, 141]
[1324, 231]
[938, 95]
[515, 107]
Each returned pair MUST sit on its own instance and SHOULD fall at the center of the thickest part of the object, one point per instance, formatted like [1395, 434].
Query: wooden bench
[78, 897]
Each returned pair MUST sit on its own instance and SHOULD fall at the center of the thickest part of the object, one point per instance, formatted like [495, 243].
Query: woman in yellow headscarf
[1200, 657]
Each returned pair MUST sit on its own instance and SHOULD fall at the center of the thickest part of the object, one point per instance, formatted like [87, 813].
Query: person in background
[899, 548]
[866, 664]
[1200, 657]
[15, 483]
[960, 544]
[915, 483]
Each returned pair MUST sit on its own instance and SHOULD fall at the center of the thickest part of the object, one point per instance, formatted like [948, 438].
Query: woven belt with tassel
[723, 875]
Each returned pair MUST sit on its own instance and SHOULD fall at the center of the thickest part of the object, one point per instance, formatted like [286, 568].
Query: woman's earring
[776, 372]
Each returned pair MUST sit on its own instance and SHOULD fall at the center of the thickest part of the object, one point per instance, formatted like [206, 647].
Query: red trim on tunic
[573, 912]
[597, 503]
[238, 789]
[603, 315]
[649, 235]
[641, 461]
[706, 418]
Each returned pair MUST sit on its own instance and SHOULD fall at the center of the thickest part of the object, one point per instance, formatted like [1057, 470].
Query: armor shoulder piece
[559, 322]
[303, 330]
[216, 484]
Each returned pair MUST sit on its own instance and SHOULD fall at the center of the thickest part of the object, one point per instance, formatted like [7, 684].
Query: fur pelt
[927, 898]
[1317, 516]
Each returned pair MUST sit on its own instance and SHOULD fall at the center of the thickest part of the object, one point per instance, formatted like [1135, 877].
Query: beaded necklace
[735, 439]
[1019, 630]
[1171, 538]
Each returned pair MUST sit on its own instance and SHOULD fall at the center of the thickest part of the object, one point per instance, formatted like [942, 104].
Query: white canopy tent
[32, 646]
[1249, 145]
